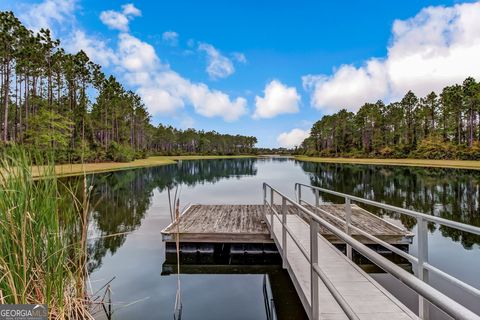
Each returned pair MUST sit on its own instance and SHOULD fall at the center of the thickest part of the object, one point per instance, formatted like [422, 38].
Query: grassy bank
[458, 164]
[78, 169]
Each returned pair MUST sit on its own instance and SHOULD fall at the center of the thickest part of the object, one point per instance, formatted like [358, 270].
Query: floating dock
[245, 230]
[220, 224]
[246, 224]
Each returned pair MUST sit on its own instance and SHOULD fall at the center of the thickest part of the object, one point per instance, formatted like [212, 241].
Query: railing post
[313, 274]
[273, 213]
[284, 232]
[317, 198]
[300, 193]
[348, 221]
[422, 272]
[264, 194]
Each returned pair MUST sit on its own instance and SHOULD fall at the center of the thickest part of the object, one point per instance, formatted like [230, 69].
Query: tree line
[437, 126]
[64, 103]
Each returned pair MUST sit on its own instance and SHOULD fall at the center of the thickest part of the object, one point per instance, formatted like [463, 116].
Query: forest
[437, 126]
[64, 104]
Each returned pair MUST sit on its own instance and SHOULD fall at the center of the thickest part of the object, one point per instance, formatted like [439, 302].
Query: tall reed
[42, 238]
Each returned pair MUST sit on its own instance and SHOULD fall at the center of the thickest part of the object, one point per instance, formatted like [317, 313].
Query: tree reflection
[119, 200]
[448, 193]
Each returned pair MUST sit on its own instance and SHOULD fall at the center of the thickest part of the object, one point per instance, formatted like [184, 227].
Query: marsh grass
[43, 230]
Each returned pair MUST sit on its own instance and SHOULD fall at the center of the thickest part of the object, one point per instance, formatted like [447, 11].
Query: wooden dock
[251, 224]
[363, 219]
[220, 224]
[245, 224]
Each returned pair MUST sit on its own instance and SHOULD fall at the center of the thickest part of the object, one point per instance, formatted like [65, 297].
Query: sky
[266, 68]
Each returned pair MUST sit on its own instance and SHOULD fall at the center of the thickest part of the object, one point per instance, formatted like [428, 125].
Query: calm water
[133, 207]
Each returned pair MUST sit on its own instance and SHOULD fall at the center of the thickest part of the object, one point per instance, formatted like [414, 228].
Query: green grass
[79, 169]
[458, 164]
[42, 239]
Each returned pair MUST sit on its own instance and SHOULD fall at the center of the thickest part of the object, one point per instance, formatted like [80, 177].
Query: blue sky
[266, 68]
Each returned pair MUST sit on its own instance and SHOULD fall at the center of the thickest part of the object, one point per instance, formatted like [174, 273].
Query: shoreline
[76, 169]
[426, 163]
[67, 170]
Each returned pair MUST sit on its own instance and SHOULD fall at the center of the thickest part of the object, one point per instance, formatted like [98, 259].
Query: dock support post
[422, 272]
[348, 221]
[314, 228]
[284, 233]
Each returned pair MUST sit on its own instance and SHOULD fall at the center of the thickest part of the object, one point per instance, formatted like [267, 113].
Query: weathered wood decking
[220, 223]
[250, 224]
[245, 224]
[365, 221]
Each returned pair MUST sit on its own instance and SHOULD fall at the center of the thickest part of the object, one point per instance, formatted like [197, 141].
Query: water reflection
[120, 199]
[448, 193]
[130, 208]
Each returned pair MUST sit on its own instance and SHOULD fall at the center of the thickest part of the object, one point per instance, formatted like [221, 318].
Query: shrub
[120, 153]
[436, 149]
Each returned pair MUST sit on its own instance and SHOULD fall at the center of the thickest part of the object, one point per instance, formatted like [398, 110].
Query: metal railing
[435, 297]
[421, 262]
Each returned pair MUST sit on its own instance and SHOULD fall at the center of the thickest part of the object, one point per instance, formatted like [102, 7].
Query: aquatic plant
[43, 233]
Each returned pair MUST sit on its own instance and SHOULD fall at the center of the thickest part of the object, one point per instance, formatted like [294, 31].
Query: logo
[23, 312]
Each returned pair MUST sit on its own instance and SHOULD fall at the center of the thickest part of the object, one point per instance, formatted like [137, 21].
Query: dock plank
[221, 223]
[245, 223]
[362, 219]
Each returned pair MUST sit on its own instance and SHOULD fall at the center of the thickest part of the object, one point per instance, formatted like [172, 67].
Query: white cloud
[119, 20]
[114, 20]
[165, 91]
[438, 47]
[131, 11]
[48, 14]
[348, 87]
[277, 99]
[293, 138]
[239, 57]
[218, 65]
[96, 49]
[170, 37]
[136, 55]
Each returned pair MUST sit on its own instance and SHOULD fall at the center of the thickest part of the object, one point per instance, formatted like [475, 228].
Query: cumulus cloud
[170, 37]
[136, 55]
[277, 99]
[218, 66]
[48, 14]
[131, 11]
[96, 49]
[293, 138]
[164, 90]
[437, 47]
[119, 20]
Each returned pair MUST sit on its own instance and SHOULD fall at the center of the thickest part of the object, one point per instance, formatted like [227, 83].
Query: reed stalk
[43, 228]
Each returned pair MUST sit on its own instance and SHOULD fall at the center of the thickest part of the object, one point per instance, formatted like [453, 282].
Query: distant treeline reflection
[452, 194]
[120, 199]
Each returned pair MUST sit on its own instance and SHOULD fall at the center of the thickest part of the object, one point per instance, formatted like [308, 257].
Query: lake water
[131, 208]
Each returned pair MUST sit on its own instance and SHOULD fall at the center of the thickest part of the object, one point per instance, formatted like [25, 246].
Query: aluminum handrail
[411, 213]
[314, 267]
[422, 261]
[437, 298]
